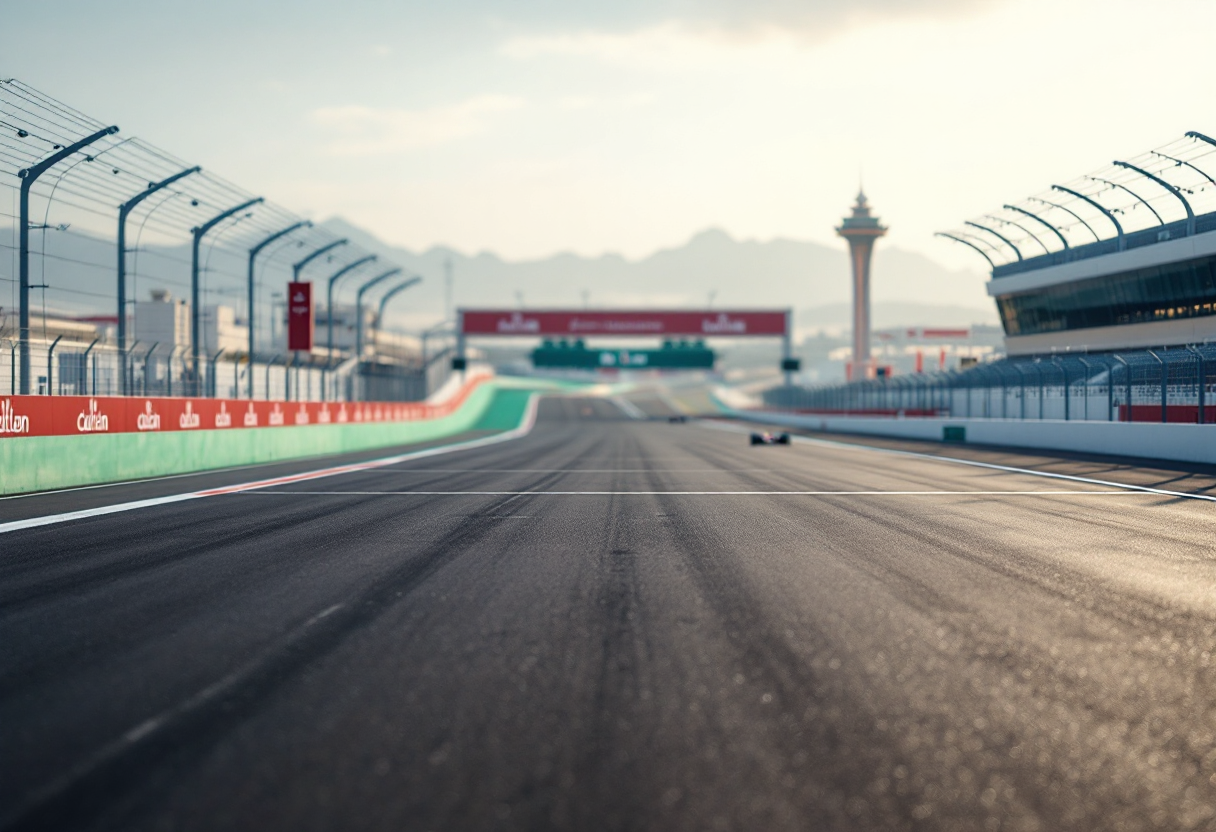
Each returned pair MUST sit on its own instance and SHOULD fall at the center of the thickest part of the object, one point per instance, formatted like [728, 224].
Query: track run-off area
[604, 622]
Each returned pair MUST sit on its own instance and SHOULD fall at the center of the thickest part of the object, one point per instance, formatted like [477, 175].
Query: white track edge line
[1070, 493]
[989, 465]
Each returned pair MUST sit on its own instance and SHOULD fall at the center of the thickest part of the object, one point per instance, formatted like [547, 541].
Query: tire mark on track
[75, 800]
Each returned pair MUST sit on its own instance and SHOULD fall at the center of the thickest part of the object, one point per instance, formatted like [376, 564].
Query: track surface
[386, 650]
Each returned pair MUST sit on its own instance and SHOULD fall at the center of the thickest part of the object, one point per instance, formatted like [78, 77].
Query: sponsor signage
[684, 358]
[924, 332]
[299, 316]
[624, 323]
[22, 416]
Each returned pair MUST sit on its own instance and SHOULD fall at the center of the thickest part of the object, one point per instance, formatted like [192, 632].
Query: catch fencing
[1166, 385]
[64, 367]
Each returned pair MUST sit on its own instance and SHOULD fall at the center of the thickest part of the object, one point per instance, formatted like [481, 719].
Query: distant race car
[766, 438]
[677, 419]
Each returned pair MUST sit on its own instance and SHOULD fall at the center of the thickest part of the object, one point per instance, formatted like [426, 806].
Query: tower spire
[861, 229]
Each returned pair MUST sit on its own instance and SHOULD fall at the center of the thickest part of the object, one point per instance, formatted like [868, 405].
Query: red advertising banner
[22, 416]
[299, 316]
[624, 323]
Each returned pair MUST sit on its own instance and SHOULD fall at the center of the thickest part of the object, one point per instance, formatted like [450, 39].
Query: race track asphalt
[619, 624]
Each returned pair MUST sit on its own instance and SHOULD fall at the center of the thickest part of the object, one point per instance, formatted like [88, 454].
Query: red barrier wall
[78, 415]
[910, 412]
[1182, 413]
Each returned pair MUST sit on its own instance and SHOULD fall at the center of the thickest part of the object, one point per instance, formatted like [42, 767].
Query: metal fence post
[213, 381]
[1127, 368]
[269, 364]
[1165, 375]
[85, 367]
[1056, 360]
[1203, 379]
[147, 359]
[1042, 387]
[50, 367]
[1085, 364]
[169, 372]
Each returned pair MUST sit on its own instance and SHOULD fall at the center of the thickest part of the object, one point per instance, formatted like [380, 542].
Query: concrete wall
[1177, 442]
[40, 463]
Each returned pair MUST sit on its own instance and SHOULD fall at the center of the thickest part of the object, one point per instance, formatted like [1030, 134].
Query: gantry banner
[624, 323]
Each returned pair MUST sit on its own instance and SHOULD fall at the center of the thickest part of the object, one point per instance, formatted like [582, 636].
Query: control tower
[861, 230]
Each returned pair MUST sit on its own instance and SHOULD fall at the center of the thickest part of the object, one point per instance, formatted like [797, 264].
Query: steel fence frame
[1165, 385]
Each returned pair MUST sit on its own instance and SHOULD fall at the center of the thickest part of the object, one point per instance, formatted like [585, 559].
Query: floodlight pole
[198, 233]
[1041, 221]
[1032, 235]
[329, 303]
[296, 268]
[1121, 244]
[390, 294]
[253, 253]
[996, 234]
[28, 176]
[1190, 215]
[124, 211]
[969, 244]
[380, 278]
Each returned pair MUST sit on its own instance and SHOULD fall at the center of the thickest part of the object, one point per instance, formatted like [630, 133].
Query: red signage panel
[299, 316]
[22, 416]
[623, 323]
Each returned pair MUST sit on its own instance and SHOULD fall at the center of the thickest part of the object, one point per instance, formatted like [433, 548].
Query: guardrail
[62, 441]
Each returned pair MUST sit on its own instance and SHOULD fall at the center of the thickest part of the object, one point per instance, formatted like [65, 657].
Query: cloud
[812, 18]
[364, 130]
[687, 29]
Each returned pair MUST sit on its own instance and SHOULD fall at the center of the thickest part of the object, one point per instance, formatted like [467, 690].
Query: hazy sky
[540, 126]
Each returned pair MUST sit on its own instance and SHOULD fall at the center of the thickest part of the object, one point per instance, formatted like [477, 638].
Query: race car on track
[766, 438]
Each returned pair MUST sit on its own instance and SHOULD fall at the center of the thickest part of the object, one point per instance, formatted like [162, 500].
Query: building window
[1159, 293]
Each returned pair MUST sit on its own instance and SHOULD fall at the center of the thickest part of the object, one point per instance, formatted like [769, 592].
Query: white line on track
[976, 464]
[628, 408]
[582, 471]
[51, 519]
[1070, 493]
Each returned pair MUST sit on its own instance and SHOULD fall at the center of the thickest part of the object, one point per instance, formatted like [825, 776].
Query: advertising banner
[23, 416]
[299, 316]
[623, 323]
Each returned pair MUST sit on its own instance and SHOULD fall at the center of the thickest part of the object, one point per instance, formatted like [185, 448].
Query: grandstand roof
[1164, 194]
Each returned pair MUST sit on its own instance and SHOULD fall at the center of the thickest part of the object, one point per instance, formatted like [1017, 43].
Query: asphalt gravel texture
[619, 624]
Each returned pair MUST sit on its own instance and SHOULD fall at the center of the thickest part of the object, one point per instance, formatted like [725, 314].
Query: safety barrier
[28, 416]
[1190, 443]
[59, 442]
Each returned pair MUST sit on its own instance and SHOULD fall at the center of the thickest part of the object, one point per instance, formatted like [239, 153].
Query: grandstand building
[1121, 259]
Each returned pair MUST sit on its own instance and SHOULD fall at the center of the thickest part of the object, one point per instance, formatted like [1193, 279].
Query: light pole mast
[250, 312]
[28, 177]
[124, 211]
[861, 230]
[329, 302]
[196, 314]
[359, 308]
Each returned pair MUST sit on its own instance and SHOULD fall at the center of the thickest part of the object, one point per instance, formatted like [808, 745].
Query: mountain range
[711, 268]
